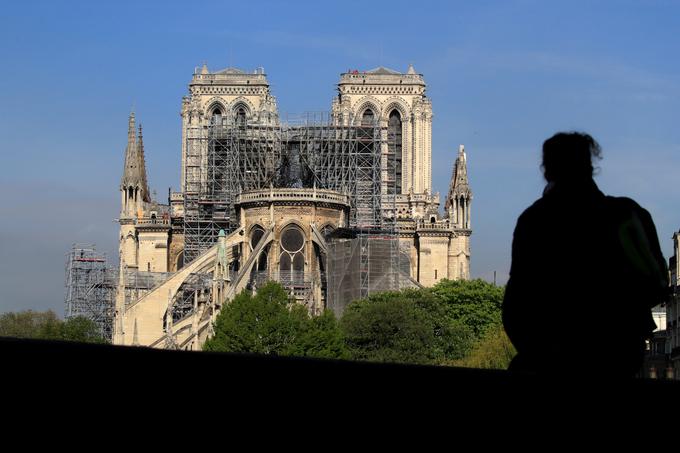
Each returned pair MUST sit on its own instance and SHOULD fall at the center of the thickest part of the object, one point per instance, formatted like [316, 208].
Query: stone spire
[134, 172]
[459, 197]
[142, 159]
[459, 178]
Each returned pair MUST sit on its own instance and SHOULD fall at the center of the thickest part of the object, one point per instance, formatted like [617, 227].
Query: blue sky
[503, 76]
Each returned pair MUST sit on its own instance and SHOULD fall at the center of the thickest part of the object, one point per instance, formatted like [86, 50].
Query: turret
[133, 184]
[134, 192]
[459, 198]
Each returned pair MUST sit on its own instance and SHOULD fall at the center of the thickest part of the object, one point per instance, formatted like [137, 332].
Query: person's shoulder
[626, 203]
[536, 208]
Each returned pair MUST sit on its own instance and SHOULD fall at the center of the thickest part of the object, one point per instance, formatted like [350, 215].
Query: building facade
[263, 199]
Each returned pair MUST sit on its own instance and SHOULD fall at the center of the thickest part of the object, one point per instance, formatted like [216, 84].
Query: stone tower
[398, 101]
[227, 96]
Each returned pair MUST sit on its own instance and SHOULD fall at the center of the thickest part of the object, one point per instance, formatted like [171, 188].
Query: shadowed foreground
[149, 377]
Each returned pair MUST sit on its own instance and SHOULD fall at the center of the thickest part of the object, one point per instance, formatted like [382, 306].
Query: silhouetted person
[586, 271]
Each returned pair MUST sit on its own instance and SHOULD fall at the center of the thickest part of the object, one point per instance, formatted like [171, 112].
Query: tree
[475, 303]
[322, 338]
[47, 326]
[80, 329]
[494, 351]
[29, 324]
[270, 323]
[406, 326]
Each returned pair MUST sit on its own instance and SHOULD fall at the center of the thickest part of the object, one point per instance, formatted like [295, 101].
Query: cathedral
[333, 206]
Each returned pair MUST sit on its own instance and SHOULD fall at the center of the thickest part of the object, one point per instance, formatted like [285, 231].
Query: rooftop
[382, 74]
[230, 75]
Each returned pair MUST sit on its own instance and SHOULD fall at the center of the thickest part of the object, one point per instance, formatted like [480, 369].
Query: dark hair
[568, 156]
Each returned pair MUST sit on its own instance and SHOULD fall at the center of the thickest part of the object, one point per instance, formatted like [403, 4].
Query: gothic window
[241, 117]
[180, 260]
[216, 116]
[292, 257]
[367, 118]
[255, 238]
[394, 149]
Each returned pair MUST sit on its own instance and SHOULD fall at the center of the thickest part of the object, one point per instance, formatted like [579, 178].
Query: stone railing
[231, 78]
[271, 195]
[355, 77]
[433, 226]
[410, 198]
[146, 221]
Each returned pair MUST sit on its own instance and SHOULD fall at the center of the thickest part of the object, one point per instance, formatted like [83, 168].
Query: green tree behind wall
[270, 323]
[47, 326]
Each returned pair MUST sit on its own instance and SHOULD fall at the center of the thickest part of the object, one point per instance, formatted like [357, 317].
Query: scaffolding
[90, 287]
[364, 262]
[225, 159]
[192, 292]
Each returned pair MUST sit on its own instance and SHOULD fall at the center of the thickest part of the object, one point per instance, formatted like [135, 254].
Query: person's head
[567, 156]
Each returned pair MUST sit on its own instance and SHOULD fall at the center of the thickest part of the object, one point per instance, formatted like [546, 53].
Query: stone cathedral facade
[179, 265]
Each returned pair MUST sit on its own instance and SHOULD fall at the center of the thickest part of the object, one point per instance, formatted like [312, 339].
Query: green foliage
[321, 338]
[494, 351]
[406, 327]
[47, 326]
[80, 329]
[456, 322]
[268, 323]
[475, 303]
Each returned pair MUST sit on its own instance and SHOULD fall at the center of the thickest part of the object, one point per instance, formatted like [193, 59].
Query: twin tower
[287, 198]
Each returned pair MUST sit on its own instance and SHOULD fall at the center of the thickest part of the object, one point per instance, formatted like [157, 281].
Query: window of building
[255, 238]
[216, 116]
[292, 257]
[241, 116]
[367, 118]
[394, 136]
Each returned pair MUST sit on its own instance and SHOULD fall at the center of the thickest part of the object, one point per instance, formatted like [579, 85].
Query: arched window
[394, 149]
[368, 118]
[292, 257]
[241, 116]
[216, 116]
[255, 238]
[180, 260]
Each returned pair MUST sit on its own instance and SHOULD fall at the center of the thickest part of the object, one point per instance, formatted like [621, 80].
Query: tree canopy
[475, 303]
[493, 351]
[445, 324]
[270, 323]
[47, 326]
[407, 326]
